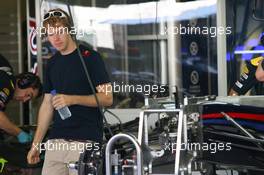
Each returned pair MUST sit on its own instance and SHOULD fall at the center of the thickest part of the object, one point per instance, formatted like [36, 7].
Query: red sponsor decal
[236, 115]
[86, 53]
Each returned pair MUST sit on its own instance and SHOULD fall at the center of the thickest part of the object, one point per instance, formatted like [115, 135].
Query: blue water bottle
[64, 112]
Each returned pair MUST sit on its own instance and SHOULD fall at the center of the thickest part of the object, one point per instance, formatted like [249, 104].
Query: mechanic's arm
[260, 72]
[8, 126]
[104, 94]
[247, 78]
[44, 118]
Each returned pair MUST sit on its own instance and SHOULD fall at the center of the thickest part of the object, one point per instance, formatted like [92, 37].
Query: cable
[120, 122]
[88, 75]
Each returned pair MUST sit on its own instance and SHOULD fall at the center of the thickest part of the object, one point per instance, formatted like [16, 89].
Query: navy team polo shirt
[66, 75]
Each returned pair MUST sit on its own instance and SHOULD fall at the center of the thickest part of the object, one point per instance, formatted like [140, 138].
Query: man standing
[22, 87]
[66, 75]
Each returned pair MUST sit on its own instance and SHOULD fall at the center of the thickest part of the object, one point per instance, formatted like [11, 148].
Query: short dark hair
[27, 79]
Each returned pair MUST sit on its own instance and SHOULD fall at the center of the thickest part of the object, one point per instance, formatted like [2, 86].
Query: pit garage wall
[12, 40]
[13, 45]
[199, 60]
[32, 65]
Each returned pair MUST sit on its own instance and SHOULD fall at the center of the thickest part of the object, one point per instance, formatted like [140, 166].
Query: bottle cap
[53, 92]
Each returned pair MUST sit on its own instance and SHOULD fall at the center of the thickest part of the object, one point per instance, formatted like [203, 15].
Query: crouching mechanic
[247, 78]
[22, 87]
[66, 75]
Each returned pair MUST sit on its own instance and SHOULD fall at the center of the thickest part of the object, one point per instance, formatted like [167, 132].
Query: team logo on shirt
[245, 69]
[6, 91]
[3, 96]
[255, 61]
[86, 53]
